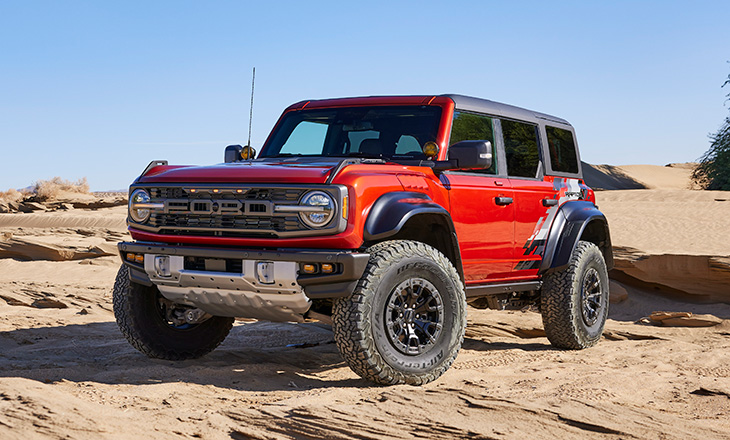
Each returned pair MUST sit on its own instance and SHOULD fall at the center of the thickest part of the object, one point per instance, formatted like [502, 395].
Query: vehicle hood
[256, 171]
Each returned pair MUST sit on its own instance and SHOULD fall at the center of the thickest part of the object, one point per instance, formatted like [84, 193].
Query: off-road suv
[390, 213]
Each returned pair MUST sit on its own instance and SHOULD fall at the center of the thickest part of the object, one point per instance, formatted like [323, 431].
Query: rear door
[534, 195]
[481, 207]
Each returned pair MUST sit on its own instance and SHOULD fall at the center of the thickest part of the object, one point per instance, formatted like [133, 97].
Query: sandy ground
[67, 373]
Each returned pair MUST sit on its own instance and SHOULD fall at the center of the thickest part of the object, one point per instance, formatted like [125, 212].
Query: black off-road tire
[139, 317]
[359, 321]
[574, 308]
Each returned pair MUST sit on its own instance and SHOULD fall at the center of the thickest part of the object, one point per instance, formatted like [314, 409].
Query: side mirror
[471, 155]
[232, 154]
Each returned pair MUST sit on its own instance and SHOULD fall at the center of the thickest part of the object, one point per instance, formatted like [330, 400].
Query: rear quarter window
[563, 157]
[521, 148]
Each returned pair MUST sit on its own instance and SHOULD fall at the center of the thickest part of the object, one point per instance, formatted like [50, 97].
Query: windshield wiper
[365, 155]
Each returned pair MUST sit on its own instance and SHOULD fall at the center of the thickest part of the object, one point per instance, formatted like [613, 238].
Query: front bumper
[228, 282]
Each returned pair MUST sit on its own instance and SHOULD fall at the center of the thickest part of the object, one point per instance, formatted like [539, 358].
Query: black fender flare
[571, 221]
[391, 211]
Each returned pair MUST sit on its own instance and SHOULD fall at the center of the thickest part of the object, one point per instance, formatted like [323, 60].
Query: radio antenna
[250, 115]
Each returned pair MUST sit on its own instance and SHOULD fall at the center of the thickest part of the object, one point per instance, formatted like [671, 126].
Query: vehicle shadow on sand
[258, 356]
[481, 345]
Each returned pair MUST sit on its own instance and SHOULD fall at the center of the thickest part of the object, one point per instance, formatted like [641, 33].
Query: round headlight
[139, 215]
[323, 209]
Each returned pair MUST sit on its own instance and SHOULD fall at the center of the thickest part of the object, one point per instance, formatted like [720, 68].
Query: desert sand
[67, 373]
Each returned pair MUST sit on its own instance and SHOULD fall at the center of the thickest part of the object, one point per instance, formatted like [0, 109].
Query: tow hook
[195, 316]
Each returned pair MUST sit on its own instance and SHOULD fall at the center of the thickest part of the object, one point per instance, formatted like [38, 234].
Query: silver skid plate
[265, 290]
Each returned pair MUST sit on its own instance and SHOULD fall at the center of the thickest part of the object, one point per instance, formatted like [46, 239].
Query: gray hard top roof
[486, 106]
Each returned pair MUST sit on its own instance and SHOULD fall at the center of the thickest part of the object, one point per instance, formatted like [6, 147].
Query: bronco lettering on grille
[219, 207]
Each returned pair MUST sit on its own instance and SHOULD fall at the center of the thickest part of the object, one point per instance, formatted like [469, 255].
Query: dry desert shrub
[11, 195]
[51, 189]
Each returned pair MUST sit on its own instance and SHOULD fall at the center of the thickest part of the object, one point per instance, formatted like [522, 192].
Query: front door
[483, 216]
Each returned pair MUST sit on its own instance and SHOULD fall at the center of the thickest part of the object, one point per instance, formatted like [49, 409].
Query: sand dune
[66, 371]
[612, 177]
[669, 221]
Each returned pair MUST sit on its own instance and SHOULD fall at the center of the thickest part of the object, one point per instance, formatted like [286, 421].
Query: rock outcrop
[705, 278]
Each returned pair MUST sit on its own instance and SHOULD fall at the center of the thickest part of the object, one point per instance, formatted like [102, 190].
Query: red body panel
[246, 172]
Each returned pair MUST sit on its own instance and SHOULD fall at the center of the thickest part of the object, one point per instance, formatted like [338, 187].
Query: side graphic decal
[567, 190]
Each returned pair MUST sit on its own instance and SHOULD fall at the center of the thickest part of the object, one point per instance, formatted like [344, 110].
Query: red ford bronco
[390, 213]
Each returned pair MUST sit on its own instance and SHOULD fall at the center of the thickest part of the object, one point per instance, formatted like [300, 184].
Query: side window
[306, 138]
[471, 127]
[562, 150]
[521, 148]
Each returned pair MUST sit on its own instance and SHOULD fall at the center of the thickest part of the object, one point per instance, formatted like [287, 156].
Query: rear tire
[405, 321]
[140, 315]
[574, 301]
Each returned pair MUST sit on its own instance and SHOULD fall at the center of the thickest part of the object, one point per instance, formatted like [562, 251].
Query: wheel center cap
[408, 315]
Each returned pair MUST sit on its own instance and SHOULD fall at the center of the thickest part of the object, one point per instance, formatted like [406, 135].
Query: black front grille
[207, 210]
[167, 193]
[279, 224]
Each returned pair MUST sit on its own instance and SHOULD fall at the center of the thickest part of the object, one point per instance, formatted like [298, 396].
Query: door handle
[549, 202]
[503, 200]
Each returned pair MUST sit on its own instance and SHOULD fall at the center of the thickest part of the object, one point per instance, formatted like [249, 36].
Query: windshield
[387, 132]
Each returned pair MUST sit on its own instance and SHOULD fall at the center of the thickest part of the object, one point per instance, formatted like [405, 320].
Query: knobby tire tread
[127, 313]
[351, 316]
[560, 313]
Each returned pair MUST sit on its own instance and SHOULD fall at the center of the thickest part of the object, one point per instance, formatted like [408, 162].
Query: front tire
[574, 301]
[405, 321]
[140, 314]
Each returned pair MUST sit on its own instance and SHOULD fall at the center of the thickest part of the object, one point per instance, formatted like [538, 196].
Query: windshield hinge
[336, 170]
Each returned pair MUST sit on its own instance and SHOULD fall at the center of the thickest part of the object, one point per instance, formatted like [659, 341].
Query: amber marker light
[130, 257]
[248, 153]
[431, 149]
[139, 258]
[215, 191]
[309, 268]
[327, 268]
[344, 208]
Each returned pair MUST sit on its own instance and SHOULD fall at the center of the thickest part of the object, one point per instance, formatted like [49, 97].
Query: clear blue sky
[97, 89]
